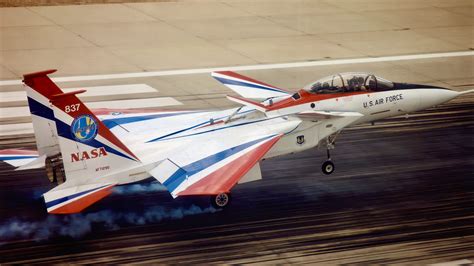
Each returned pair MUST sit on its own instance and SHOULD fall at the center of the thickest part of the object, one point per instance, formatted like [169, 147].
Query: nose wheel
[328, 166]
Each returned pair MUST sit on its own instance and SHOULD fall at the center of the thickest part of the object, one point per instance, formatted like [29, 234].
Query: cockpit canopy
[349, 82]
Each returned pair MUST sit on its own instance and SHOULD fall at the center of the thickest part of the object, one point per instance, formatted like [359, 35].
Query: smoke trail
[139, 188]
[79, 225]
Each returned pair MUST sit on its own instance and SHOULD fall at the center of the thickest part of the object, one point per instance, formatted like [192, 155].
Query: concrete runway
[403, 190]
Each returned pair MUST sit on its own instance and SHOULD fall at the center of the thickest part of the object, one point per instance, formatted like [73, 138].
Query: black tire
[328, 167]
[50, 170]
[59, 174]
[220, 201]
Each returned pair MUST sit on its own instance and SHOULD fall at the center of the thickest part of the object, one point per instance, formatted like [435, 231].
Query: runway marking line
[254, 67]
[97, 91]
[24, 111]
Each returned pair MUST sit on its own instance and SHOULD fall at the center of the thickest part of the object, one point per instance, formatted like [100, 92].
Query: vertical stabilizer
[39, 89]
[89, 149]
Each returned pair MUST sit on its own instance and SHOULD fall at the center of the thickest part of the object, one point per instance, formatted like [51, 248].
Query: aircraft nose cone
[436, 96]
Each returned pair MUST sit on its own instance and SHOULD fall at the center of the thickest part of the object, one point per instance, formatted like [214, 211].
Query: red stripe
[249, 101]
[18, 152]
[307, 97]
[238, 76]
[224, 178]
[84, 202]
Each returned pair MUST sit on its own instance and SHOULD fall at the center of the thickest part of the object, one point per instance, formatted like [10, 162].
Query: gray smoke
[139, 188]
[78, 225]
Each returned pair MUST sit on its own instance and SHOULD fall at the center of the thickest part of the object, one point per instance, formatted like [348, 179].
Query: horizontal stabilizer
[248, 87]
[65, 199]
[17, 157]
[39, 162]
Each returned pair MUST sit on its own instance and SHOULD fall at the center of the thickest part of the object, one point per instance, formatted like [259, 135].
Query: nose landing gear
[328, 166]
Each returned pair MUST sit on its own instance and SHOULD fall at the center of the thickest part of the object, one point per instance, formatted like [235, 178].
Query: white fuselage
[155, 140]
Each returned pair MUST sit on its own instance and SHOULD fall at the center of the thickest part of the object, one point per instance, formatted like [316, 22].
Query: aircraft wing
[217, 170]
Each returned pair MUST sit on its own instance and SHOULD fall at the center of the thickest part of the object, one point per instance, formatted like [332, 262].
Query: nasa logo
[86, 155]
[84, 128]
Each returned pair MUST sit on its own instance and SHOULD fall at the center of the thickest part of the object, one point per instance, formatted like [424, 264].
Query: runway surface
[402, 193]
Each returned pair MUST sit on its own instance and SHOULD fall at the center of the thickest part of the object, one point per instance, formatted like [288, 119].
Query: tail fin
[39, 89]
[89, 149]
[247, 87]
[93, 157]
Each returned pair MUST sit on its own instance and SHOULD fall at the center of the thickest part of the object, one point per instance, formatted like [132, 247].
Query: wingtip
[222, 72]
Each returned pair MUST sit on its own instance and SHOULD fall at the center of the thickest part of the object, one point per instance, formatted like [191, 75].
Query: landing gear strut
[328, 166]
[220, 201]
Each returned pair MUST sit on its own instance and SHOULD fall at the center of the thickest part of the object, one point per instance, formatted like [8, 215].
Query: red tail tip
[37, 74]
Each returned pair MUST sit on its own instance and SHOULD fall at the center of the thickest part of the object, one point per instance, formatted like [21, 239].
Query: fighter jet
[199, 153]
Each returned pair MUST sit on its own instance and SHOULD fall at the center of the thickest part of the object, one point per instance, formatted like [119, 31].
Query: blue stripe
[39, 109]
[112, 122]
[191, 169]
[195, 126]
[17, 157]
[177, 132]
[244, 84]
[64, 131]
[216, 129]
[70, 197]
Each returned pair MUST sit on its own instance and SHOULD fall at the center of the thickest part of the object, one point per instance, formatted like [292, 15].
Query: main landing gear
[220, 201]
[328, 166]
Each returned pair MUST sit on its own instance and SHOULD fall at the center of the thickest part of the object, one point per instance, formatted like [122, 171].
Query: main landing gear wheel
[220, 201]
[328, 167]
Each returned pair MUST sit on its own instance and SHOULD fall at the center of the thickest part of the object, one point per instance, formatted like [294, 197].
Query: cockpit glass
[383, 84]
[349, 82]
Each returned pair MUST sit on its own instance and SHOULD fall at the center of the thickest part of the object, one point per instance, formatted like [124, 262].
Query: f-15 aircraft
[198, 153]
